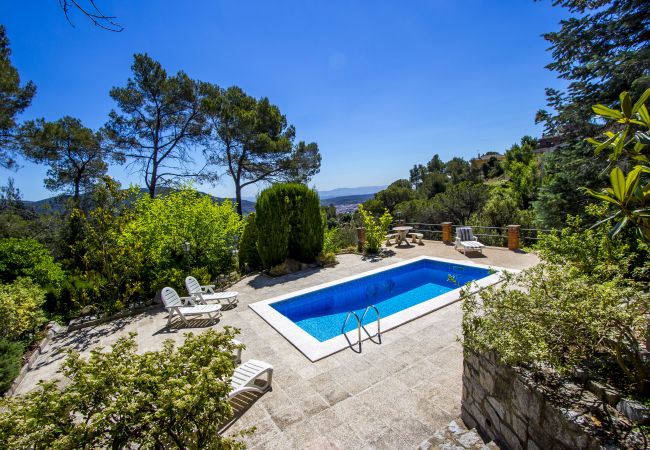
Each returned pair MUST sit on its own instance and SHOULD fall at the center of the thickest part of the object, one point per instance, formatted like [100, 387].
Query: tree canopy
[14, 99]
[162, 118]
[252, 139]
[76, 155]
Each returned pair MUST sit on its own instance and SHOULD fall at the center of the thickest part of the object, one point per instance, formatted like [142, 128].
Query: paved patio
[393, 395]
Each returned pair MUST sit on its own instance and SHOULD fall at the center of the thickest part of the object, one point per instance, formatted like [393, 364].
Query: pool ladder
[360, 326]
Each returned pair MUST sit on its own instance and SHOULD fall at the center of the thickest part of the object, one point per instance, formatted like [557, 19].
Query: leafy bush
[10, 362]
[590, 250]
[24, 257]
[249, 257]
[289, 224]
[172, 398]
[20, 309]
[131, 251]
[554, 315]
[375, 229]
[339, 238]
[161, 226]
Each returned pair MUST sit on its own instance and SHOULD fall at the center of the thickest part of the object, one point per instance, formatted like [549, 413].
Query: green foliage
[28, 258]
[11, 358]
[20, 309]
[432, 184]
[339, 238]
[591, 250]
[375, 229]
[629, 194]
[15, 99]
[110, 270]
[601, 50]
[460, 201]
[254, 141]
[500, 210]
[172, 398]
[133, 245]
[330, 245]
[565, 169]
[289, 224]
[249, 257]
[160, 227]
[492, 168]
[554, 315]
[522, 169]
[273, 225]
[397, 192]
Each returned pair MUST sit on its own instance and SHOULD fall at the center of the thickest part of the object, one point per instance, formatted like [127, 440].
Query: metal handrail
[378, 333]
[345, 322]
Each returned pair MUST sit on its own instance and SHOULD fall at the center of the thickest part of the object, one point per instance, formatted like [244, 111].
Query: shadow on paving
[192, 324]
[240, 404]
[261, 280]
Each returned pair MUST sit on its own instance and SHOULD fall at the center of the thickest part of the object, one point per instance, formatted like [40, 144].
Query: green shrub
[11, 361]
[307, 226]
[249, 257]
[20, 309]
[171, 398]
[25, 257]
[330, 242]
[375, 229]
[289, 224]
[553, 315]
[340, 238]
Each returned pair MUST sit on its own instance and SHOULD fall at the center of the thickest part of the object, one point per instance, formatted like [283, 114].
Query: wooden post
[447, 232]
[361, 239]
[513, 237]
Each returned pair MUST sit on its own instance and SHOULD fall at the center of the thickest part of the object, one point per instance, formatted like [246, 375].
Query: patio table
[402, 231]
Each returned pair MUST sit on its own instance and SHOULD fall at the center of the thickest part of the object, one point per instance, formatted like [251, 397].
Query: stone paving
[393, 395]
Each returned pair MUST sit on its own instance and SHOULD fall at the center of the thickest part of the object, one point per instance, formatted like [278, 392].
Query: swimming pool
[312, 319]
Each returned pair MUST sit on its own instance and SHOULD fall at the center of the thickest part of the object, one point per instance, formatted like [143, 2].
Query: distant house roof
[549, 143]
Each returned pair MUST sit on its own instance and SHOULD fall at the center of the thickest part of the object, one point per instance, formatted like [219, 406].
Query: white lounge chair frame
[466, 241]
[244, 377]
[176, 307]
[205, 294]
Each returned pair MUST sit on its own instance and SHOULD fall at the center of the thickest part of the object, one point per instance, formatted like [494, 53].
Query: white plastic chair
[175, 307]
[243, 380]
[466, 241]
[205, 294]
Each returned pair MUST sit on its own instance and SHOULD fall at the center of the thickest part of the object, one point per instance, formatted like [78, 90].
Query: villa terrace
[393, 395]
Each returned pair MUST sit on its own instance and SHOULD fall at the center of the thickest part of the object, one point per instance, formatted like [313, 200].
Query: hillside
[56, 204]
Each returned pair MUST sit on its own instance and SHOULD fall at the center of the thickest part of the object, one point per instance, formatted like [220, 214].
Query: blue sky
[379, 85]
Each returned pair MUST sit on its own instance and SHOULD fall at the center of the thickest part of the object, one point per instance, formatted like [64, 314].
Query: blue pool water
[321, 313]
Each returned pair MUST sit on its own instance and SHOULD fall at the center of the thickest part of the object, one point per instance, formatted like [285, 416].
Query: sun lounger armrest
[189, 300]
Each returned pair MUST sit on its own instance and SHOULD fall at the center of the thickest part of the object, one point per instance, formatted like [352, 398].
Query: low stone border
[53, 329]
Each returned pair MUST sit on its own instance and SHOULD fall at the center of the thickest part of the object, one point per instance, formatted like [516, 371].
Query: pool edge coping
[314, 350]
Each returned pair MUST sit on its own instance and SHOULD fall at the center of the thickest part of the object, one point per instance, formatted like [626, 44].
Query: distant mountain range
[344, 199]
[348, 192]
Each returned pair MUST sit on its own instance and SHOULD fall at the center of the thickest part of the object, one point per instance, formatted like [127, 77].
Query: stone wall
[502, 406]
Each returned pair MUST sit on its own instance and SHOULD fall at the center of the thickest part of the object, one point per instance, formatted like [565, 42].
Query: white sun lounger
[243, 380]
[205, 294]
[466, 241]
[175, 307]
